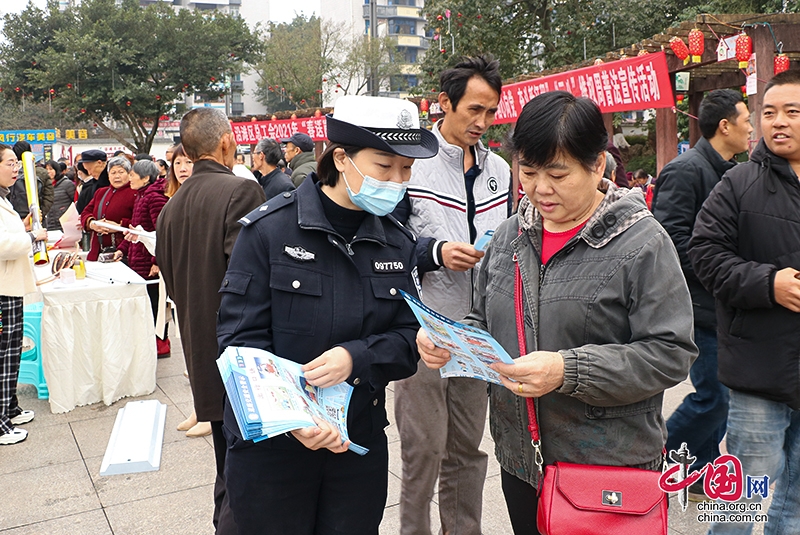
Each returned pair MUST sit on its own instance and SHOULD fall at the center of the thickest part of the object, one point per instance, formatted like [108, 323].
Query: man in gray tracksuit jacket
[453, 199]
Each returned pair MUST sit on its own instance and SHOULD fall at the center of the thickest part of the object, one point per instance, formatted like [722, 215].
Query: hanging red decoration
[128, 103]
[52, 91]
[439, 17]
[213, 79]
[69, 86]
[696, 45]
[302, 101]
[83, 110]
[158, 97]
[744, 48]
[479, 17]
[16, 89]
[781, 63]
[442, 50]
[744, 89]
[424, 105]
[679, 98]
[680, 49]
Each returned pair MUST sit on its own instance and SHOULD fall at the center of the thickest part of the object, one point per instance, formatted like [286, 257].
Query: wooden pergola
[709, 74]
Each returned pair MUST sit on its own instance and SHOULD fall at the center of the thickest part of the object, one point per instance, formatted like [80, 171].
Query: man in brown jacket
[196, 232]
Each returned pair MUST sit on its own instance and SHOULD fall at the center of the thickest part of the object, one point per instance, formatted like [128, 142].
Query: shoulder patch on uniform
[268, 207]
[406, 231]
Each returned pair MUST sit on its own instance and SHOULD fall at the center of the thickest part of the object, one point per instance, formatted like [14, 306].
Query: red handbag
[585, 499]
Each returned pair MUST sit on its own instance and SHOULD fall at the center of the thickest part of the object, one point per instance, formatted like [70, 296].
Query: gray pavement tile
[184, 465]
[391, 520]
[93, 435]
[393, 491]
[172, 366]
[46, 493]
[176, 388]
[46, 445]
[494, 517]
[186, 512]
[89, 523]
[28, 400]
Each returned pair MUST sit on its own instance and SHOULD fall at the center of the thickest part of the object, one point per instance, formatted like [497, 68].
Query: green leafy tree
[297, 56]
[108, 62]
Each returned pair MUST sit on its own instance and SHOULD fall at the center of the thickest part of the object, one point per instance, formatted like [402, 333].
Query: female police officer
[315, 277]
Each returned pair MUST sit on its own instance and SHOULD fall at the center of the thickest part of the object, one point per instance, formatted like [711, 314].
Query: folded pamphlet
[471, 350]
[270, 396]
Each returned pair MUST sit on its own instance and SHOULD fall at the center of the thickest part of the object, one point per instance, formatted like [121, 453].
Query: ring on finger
[520, 388]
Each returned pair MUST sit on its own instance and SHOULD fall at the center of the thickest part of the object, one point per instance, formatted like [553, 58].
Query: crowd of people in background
[629, 283]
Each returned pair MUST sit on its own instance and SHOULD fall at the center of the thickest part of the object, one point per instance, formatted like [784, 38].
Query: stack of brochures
[471, 350]
[269, 396]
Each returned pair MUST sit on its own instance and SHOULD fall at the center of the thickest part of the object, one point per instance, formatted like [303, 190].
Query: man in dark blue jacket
[745, 249]
[682, 187]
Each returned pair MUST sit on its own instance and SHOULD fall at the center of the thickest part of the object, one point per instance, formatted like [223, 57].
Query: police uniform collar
[310, 214]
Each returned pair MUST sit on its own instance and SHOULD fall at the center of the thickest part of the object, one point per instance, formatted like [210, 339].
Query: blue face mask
[375, 196]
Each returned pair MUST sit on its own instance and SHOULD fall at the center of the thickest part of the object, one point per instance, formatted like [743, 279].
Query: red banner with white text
[624, 85]
[250, 133]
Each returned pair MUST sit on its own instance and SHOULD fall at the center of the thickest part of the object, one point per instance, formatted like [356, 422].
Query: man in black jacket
[266, 156]
[745, 249]
[681, 189]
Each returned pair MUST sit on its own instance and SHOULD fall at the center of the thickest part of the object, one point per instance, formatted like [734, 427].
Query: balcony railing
[413, 41]
[237, 86]
[391, 12]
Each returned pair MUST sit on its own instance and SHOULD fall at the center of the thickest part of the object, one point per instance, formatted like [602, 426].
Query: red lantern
[744, 89]
[696, 45]
[679, 47]
[781, 63]
[302, 101]
[69, 86]
[442, 50]
[744, 48]
[424, 105]
[128, 103]
[680, 98]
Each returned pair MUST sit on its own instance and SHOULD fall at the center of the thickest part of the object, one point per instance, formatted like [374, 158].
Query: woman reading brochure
[315, 277]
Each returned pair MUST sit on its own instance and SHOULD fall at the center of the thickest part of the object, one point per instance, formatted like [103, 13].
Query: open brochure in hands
[471, 350]
[269, 396]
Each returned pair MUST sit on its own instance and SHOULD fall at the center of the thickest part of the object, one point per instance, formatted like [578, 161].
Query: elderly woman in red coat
[114, 205]
[150, 200]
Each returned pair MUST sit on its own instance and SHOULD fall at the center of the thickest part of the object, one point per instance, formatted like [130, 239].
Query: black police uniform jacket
[296, 288]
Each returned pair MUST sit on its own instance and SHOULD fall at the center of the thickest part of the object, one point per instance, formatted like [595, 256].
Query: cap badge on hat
[404, 120]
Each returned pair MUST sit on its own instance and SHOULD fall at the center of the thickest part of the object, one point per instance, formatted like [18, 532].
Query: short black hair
[786, 77]
[556, 124]
[55, 166]
[4, 148]
[326, 168]
[271, 150]
[717, 105]
[454, 81]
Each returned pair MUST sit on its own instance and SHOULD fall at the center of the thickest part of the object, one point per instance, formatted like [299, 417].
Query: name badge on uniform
[298, 253]
[388, 266]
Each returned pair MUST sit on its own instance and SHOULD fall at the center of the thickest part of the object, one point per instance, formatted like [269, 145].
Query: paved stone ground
[51, 482]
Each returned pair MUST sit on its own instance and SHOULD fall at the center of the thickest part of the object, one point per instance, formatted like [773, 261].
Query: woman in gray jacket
[608, 317]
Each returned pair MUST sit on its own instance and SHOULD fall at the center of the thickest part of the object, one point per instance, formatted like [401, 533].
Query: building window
[403, 27]
[399, 2]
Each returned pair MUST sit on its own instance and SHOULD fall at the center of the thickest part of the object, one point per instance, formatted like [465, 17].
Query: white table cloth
[98, 339]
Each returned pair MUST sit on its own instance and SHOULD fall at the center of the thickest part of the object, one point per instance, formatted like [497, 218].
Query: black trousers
[522, 503]
[223, 517]
[279, 487]
[152, 293]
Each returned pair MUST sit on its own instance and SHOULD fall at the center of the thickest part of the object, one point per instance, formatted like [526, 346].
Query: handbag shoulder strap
[533, 422]
[100, 207]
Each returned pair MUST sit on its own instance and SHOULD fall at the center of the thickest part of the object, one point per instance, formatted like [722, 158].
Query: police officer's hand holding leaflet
[316, 277]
